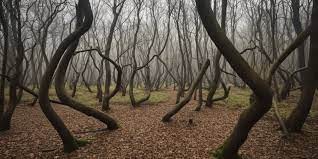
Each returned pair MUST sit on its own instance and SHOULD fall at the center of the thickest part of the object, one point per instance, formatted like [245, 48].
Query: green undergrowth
[89, 98]
[238, 98]
[218, 153]
[82, 142]
[286, 107]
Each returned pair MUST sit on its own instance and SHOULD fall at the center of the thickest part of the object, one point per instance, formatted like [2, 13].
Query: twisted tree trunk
[261, 89]
[69, 142]
[106, 98]
[62, 95]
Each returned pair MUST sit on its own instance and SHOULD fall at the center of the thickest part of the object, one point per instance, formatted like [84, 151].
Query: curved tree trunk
[284, 93]
[106, 98]
[261, 89]
[69, 142]
[188, 97]
[133, 101]
[118, 80]
[61, 93]
[226, 92]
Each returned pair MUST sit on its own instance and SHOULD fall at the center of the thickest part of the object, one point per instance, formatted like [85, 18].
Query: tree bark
[284, 93]
[15, 16]
[69, 142]
[105, 103]
[217, 72]
[299, 115]
[134, 103]
[62, 95]
[298, 29]
[5, 33]
[261, 89]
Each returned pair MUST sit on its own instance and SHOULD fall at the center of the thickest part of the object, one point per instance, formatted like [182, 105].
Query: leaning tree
[262, 93]
[84, 19]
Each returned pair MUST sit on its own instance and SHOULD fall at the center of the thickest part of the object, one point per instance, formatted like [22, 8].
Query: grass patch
[156, 97]
[218, 153]
[238, 98]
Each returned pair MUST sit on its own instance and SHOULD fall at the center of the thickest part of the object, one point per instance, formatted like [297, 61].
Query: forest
[223, 79]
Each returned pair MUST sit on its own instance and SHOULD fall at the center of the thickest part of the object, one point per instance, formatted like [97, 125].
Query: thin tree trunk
[188, 97]
[217, 69]
[105, 104]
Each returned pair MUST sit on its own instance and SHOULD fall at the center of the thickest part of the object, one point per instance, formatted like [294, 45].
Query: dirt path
[143, 135]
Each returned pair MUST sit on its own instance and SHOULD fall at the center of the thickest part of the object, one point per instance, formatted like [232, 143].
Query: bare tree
[188, 97]
[217, 71]
[299, 115]
[298, 28]
[116, 9]
[262, 99]
[16, 26]
[69, 142]
[5, 32]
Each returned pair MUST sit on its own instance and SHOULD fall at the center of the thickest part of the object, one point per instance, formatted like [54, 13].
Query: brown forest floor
[143, 135]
